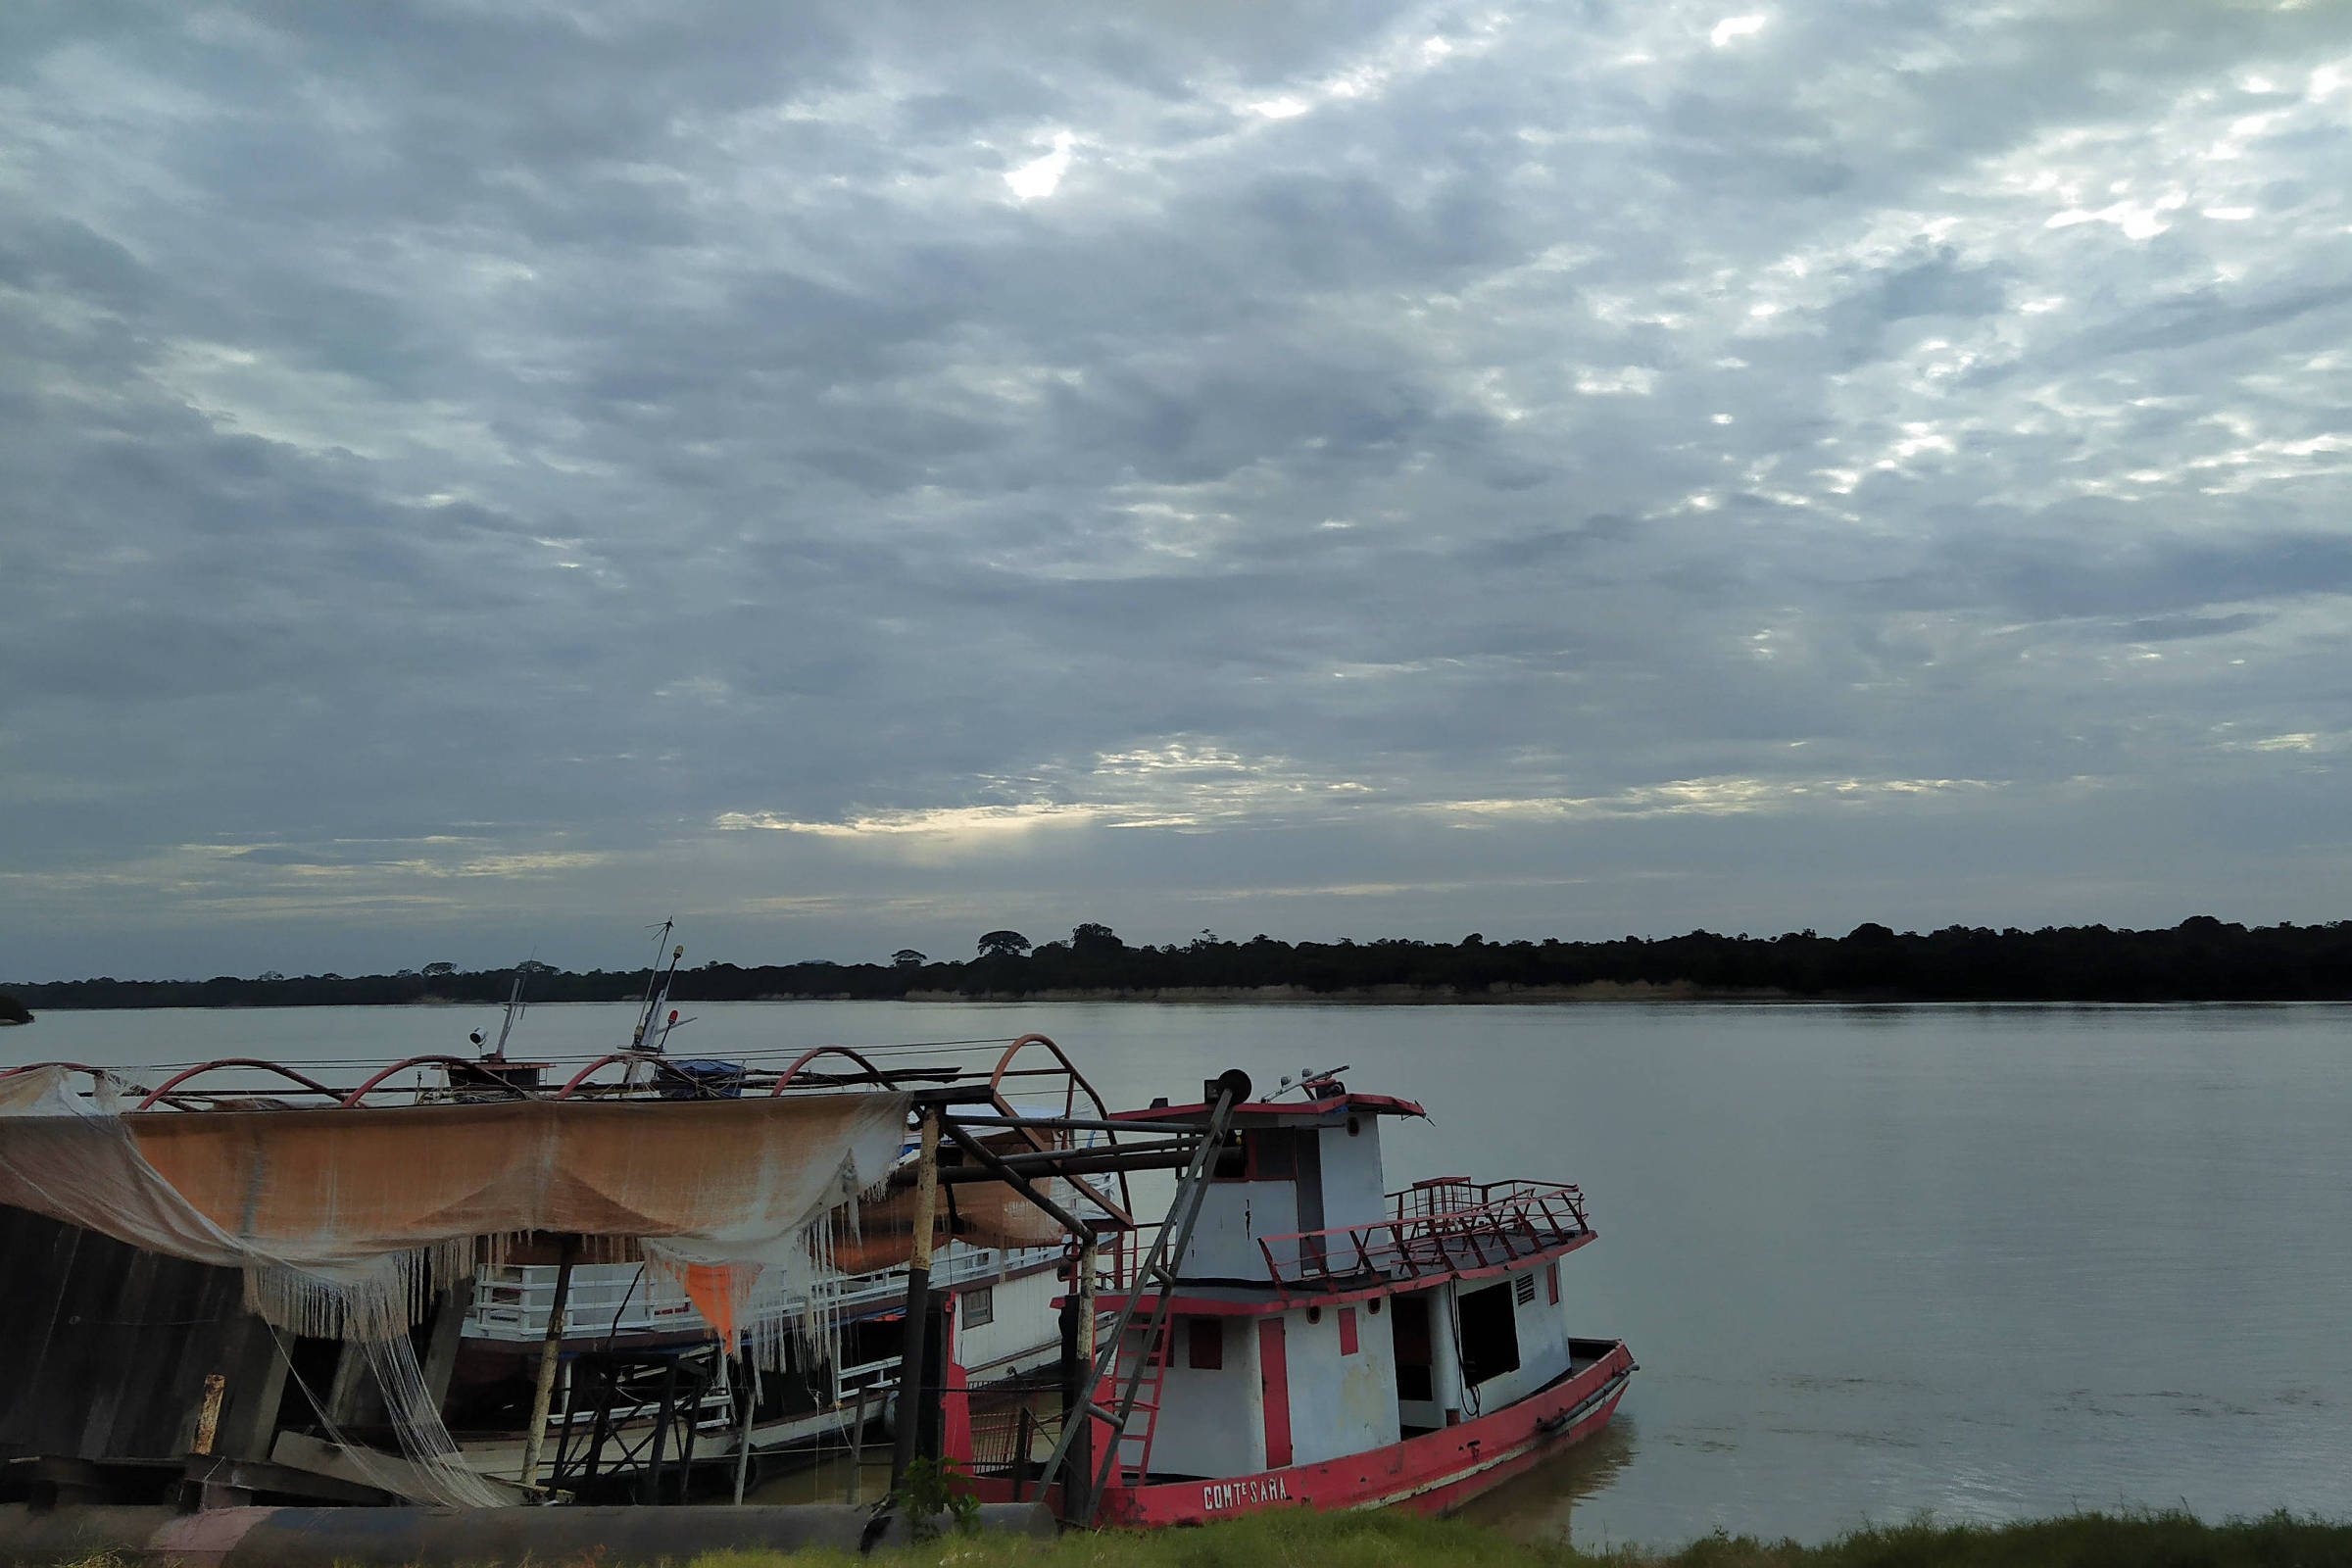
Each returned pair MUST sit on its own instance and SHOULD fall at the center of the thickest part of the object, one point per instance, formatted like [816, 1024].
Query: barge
[480, 1282]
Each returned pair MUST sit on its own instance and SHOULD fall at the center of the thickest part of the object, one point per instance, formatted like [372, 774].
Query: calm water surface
[1985, 1261]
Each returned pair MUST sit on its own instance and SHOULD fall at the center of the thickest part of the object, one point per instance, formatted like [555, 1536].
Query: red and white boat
[1329, 1344]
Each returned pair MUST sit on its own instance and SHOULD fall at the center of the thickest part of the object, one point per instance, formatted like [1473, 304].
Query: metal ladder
[1157, 1269]
[1146, 1377]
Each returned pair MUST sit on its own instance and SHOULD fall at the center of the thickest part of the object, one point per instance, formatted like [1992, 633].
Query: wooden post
[208, 1417]
[248, 1423]
[1078, 1470]
[349, 1384]
[751, 1402]
[449, 1327]
[550, 1351]
[1086, 1264]
[917, 1338]
[857, 1450]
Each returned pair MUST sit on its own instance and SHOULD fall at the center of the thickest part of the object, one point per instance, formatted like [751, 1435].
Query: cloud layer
[480, 475]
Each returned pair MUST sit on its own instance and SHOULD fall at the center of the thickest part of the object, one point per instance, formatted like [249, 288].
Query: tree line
[2200, 960]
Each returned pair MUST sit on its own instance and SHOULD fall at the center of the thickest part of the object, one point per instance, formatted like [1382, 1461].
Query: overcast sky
[481, 478]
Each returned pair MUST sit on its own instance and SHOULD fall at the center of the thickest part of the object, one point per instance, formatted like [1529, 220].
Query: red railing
[1447, 1226]
[162, 1090]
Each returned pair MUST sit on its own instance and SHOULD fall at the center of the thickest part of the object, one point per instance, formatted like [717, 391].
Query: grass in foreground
[1303, 1539]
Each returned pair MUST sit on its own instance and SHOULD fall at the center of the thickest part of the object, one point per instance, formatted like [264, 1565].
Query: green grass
[1303, 1539]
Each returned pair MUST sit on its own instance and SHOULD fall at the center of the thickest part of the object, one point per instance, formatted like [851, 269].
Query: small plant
[932, 1489]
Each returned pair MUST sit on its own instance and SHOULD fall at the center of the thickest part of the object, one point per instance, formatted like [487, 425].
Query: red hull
[1433, 1473]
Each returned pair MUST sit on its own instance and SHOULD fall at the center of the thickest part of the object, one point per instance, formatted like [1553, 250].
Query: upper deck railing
[1448, 1225]
[512, 1301]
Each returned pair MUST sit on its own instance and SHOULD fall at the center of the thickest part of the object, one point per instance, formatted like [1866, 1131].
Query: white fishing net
[347, 1224]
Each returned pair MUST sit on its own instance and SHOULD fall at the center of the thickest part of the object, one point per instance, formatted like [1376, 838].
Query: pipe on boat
[619, 1537]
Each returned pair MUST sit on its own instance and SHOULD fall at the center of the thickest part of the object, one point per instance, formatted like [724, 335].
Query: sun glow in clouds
[1730, 28]
[1040, 177]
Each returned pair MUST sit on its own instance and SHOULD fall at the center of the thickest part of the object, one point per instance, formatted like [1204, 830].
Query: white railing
[512, 1300]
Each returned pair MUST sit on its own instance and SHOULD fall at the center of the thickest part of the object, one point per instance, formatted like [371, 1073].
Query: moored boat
[1311, 1339]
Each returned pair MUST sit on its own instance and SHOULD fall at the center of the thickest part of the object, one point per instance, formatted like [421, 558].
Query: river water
[1980, 1261]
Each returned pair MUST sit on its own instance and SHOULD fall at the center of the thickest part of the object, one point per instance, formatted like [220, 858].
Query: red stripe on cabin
[1274, 1381]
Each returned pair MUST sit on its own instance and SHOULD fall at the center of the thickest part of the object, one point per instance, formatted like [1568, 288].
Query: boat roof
[1262, 1111]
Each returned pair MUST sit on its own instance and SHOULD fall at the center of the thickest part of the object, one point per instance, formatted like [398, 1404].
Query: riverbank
[2201, 959]
[1303, 1539]
[1371, 996]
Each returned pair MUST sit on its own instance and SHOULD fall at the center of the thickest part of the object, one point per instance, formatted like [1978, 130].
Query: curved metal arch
[1073, 1082]
[182, 1077]
[1063, 1068]
[805, 1057]
[607, 1060]
[351, 1101]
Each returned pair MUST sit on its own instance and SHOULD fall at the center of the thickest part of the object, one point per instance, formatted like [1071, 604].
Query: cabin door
[1416, 1378]
[1274, 1382]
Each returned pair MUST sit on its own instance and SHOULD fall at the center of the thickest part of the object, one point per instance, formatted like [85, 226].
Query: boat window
[979, 1306]
[1551, 1284]
[1490, 1334]
[1206, 1337]
[1233, 1161]
[1347, 1331]
[1273, 1153]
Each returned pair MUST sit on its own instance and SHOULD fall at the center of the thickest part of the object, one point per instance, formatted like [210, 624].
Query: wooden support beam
[348, 1392]
[252, 1390]
[449, 1328]
[1078, 1393]
[550, 1351]
[914, 1346]
[223, 1483]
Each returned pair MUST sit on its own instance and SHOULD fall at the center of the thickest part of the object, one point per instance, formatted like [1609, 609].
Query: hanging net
[344, 1220]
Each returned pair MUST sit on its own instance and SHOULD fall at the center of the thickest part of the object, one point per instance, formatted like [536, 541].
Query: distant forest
[2200, 960]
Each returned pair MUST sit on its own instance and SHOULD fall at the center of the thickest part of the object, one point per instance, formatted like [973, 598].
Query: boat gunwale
[1581, 1399]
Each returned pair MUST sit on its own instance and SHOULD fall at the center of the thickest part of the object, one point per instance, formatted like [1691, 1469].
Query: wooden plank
[372, 1467]
[216, 1476]
[449, 1325]
[83, 1354]
[32, 1307]
[214, 1304]
[350, 1386]
[257, 1384]
[119, 1333]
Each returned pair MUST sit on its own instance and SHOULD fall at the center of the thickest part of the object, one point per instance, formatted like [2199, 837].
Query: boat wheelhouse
[1312, 1338]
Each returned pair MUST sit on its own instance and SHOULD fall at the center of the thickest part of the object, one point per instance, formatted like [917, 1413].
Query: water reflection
[1541, 1504]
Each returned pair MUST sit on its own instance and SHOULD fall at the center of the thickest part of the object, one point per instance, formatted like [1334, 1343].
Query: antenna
[1306, 1079]
[657, 992]
[514, 1007]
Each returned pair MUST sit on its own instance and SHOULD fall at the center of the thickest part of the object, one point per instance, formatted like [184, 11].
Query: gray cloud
[474, 475]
